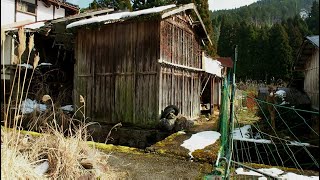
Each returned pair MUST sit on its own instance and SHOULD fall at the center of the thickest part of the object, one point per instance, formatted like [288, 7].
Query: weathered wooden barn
[308, 63]
[131, 65]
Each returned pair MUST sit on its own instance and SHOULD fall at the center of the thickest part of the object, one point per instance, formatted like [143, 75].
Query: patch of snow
[181, 132]
[42, 168]
[250, 173]
[28, 106]
[26, 65]
[284, 103]
[296, 143]
[118, 16]
[272, 171]
[200, 140]
[243, 134]
[262, 178]
[293, 176]
[277, 173]
[281, 93]
[45, 64]
[67, 108]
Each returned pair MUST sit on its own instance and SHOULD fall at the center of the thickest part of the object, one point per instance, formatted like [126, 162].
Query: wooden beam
[82, 15]
[178, 10]
[16, 24]
[180, 66]
[212, 94]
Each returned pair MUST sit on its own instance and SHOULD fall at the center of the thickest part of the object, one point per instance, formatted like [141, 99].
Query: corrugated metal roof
[314, 40]
[166, 11]
[118, 16]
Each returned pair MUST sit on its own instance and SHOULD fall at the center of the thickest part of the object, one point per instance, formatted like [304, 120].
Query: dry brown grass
[67, 157]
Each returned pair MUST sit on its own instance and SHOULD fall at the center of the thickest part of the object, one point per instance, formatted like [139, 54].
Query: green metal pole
[231, 123]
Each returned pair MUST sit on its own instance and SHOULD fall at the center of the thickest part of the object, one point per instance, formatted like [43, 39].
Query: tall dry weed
[67, 157]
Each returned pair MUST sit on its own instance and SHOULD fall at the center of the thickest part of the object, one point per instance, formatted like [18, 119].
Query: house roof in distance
[226, 61]
[64, 4]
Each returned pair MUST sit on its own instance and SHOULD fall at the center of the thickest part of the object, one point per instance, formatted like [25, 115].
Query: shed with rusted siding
[131, 65]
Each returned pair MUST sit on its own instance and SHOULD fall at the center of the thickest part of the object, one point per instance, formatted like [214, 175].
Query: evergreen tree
[281, 60]
[203, 8]
[263, 54]
[294, 34]
[94, 5]
[301, 25]
[227, 38]
[116, 4]
[313, 19]
[246, 43]
[145, 4]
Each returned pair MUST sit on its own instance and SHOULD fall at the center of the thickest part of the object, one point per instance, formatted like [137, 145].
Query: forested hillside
[265, 11]
[268, 34]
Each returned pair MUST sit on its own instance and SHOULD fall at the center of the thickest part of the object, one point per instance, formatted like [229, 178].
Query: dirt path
[165, 160]
[153, 166]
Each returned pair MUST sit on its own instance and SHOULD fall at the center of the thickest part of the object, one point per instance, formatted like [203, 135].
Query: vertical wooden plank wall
[311, 83]
[83, 69]
[180, 86]
[116, 71]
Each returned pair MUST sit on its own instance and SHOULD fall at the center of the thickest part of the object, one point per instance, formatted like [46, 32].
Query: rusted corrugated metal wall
[116, 71]
[180, 86]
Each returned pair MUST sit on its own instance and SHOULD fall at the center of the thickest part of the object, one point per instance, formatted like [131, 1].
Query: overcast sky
[228, 4]
[213, 4]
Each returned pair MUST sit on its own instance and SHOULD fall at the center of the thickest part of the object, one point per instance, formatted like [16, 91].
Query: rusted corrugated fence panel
[180, 86]
[116, 71]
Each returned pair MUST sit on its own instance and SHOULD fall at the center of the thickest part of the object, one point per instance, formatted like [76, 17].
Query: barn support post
[212, 95]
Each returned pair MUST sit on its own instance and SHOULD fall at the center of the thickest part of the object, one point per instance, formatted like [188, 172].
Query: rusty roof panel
[226, 61]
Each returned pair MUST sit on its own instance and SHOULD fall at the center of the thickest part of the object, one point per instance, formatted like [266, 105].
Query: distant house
[131, 65]
[30, 14]
[308, 63]
[34, 10]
